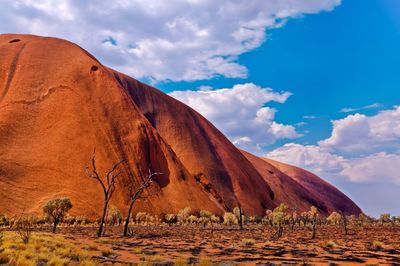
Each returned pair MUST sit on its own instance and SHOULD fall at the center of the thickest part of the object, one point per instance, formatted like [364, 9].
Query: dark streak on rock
[11, 73]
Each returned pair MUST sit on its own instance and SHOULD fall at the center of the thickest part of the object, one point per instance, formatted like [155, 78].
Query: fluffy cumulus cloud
[311, 157]
[376, 139]
[375, 168]
[240, 113]
[360, 133]
[161, 40]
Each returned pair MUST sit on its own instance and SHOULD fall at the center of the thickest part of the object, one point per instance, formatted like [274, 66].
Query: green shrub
[192, 219]
[183, 215]
[56, 210]
[230, 218]
[114, 216]
[215, 219]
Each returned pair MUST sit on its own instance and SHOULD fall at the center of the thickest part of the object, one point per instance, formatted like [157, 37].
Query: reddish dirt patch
[194, 244]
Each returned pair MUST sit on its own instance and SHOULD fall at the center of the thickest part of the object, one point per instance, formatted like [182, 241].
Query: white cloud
[241, 114]
[360, 133]
[301, 124]
[374, 141]
[370, 106]
[162, 40]
[309, 117]
[375, 168]
[310, 157]
[379, 167]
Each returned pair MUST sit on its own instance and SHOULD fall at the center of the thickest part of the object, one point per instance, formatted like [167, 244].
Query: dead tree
[135, 195]
[108, 186]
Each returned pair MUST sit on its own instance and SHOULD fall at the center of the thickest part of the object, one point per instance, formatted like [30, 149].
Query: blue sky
[314, 83]
[332, 60]
[347, 58]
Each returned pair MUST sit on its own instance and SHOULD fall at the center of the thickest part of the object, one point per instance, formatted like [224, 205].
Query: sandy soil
[195, 244]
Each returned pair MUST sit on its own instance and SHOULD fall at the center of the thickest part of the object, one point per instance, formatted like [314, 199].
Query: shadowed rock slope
[58, 104]
[301, 189]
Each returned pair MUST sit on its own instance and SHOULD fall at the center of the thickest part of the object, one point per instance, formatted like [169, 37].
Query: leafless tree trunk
[135, 195]
[240, 217]
[108, 186]
[314, 225]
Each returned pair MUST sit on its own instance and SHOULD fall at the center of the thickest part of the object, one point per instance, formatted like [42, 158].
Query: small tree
[292, 218]
[192, 219]
[108, 186]
[136, 194]
[141, 217]
[362, 219]
[268, 218]
[344, 222]
[278, 216]
[334, 218]
[230, 218]
[114, 216]
[24, 227]
[239, 215]
[305, 218]
[56, 209]
[314, 216]
[170, 218]
[205, 217]
[183, 215]
[215, 219]
[385, 218]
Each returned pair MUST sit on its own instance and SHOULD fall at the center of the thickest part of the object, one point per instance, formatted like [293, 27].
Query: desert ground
[197, 245]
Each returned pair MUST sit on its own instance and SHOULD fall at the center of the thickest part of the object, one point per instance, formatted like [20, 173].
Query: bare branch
[108, 188]
[110, 173]
[96, 174]
[146, 182]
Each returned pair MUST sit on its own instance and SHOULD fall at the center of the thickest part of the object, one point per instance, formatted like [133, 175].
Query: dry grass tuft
[42, 249]
[248, 242]
[375, 245]
[330, 244]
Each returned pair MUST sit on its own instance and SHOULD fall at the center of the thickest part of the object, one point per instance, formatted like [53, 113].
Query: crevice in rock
[43, 97]
[208, 187]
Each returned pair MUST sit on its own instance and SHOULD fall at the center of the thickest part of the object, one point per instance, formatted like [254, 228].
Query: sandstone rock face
[324, 196]
[58, 105]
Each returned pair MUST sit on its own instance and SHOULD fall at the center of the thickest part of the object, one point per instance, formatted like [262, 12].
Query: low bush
[247, 242]
[330, 244]
[230, 218]
[170, 218]
[375, 245]
[192, 219]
